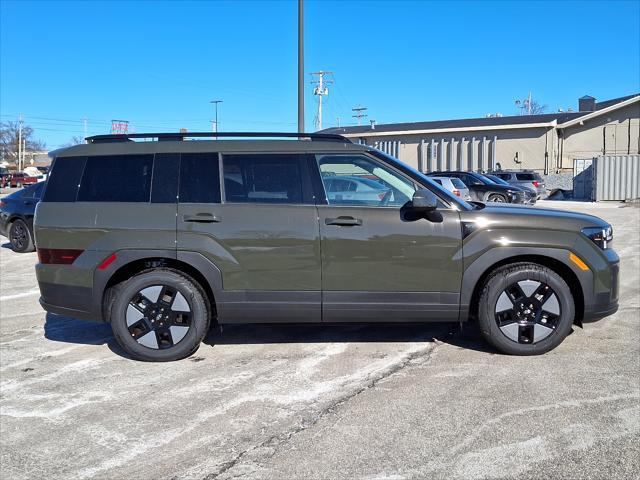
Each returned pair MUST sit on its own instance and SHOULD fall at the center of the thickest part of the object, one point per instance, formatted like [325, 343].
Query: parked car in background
[455, 186]
[484, 190]
[16, 217]
[532, 194]
[354, 188]
[523, 178]
[19, 180]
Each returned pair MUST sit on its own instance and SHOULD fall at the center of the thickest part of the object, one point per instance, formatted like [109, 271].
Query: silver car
[359, 189]
[454, 185]
[523, 178]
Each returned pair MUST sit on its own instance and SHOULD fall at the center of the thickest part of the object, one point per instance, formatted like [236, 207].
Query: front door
[376, 264]
[260, 228]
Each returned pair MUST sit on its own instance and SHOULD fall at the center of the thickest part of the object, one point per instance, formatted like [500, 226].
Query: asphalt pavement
[280, 402]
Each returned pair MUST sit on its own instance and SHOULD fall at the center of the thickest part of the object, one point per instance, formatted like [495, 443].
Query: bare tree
[75, 140]
[537, 108]
[9, 135]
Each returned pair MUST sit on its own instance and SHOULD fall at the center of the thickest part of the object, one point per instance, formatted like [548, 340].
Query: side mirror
[424, 201]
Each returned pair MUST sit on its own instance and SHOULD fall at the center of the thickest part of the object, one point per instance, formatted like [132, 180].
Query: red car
[19, 180]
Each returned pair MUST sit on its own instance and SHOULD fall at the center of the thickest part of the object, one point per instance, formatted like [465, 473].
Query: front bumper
[605, 303]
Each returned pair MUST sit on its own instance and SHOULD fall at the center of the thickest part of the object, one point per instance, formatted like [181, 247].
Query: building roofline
[596, 113]
[377, 133]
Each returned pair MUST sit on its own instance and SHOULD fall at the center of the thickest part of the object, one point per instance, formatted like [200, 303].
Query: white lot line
[30, 293]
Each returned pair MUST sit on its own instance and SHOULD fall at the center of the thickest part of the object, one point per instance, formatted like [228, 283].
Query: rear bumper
[69, 300]
[68, 312]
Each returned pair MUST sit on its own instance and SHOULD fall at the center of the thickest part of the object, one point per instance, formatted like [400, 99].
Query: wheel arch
[476, 275]
[130, 263]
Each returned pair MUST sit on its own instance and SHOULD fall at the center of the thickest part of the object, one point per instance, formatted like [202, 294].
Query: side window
[116, 178]
[503, 176]
[62, 184]
[164, 186]
[437, 180]
[199, 178]
[525, 176]
[263, 178]
[366, 182]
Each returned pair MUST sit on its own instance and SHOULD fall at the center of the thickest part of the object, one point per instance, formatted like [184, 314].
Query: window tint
[199, 178]
[116, 178]
[164, 187]
[374, 184]
[458, 183]
[62, 184]
[503, 176]
[526, 176]
[269, 178]
[33, 191]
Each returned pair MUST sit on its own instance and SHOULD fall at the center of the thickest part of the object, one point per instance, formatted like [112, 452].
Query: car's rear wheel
[159, 315]
[20, 237]
[525, 309]
[494, 197]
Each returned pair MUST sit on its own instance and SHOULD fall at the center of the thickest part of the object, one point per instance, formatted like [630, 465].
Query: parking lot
[371, 402]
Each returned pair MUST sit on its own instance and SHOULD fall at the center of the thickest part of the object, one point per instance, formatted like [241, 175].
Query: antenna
[320, 90]
[359, 113]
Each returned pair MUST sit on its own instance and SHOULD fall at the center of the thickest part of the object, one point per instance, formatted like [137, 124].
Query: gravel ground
[375, 402]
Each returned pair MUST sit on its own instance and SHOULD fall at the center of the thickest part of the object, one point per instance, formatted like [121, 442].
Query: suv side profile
[523, 178]
[164, 238]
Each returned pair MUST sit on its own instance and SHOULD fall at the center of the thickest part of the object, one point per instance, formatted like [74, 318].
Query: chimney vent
[586, 104]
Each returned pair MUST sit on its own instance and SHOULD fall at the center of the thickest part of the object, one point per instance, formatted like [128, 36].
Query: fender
[474, 272]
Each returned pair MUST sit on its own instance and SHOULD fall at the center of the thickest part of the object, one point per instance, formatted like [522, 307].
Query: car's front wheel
[159, 315]
[495, 197]
[525, 309]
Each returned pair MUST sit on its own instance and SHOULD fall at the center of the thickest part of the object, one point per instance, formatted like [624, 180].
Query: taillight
[2, 204]
[456, 193]
[536, 183]
[58, 256]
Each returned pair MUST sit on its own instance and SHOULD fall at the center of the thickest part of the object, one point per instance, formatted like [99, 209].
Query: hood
[522, 216]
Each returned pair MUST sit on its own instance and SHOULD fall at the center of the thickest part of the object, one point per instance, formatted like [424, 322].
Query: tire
[149, 336]
[521, 330]
[20, 237]
[497, 198]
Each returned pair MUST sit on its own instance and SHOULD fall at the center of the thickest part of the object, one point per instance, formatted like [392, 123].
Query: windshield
[483, 179]
[424, 180]
[458, 183]
[497, 180]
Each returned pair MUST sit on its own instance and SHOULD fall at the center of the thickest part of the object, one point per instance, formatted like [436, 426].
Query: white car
[454, 185]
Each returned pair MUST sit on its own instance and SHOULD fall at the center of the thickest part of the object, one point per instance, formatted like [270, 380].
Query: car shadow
[69, 330]
[58, 328]
[450, 333]
[7, 245]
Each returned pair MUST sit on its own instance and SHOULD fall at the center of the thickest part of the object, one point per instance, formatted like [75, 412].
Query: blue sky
[158, 64]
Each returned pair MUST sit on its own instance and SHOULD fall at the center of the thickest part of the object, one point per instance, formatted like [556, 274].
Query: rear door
[254, 217]
[377, 265]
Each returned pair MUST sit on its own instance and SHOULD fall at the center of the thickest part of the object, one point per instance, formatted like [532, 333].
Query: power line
[320, 91]
[359, 113]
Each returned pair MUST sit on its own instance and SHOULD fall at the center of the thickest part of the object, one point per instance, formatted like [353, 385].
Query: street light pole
[215, 123]
[300, 66]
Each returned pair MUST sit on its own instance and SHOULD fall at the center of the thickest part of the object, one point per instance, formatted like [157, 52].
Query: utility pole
[215, 122]
[338, 118]
[19, 142]
[320, 90]
[84, 124]
[359, 113]
[300, 66]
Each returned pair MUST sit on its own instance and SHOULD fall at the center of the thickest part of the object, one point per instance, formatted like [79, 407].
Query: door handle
[202, 218]
[344, 221]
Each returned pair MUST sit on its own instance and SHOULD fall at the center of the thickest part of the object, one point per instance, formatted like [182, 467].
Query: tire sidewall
[499, 283]
[197, 304]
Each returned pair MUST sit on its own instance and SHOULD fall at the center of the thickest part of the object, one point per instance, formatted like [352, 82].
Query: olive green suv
[163, 238]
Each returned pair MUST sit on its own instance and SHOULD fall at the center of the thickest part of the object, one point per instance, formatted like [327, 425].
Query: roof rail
[127, 137]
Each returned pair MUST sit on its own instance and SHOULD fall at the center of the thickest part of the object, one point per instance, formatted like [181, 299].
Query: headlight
[601, 236]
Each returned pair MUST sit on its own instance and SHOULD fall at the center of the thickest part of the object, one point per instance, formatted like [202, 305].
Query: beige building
[547, 143]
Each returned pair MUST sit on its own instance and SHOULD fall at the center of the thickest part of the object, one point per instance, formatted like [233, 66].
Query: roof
[483, 123]
[204, 146]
